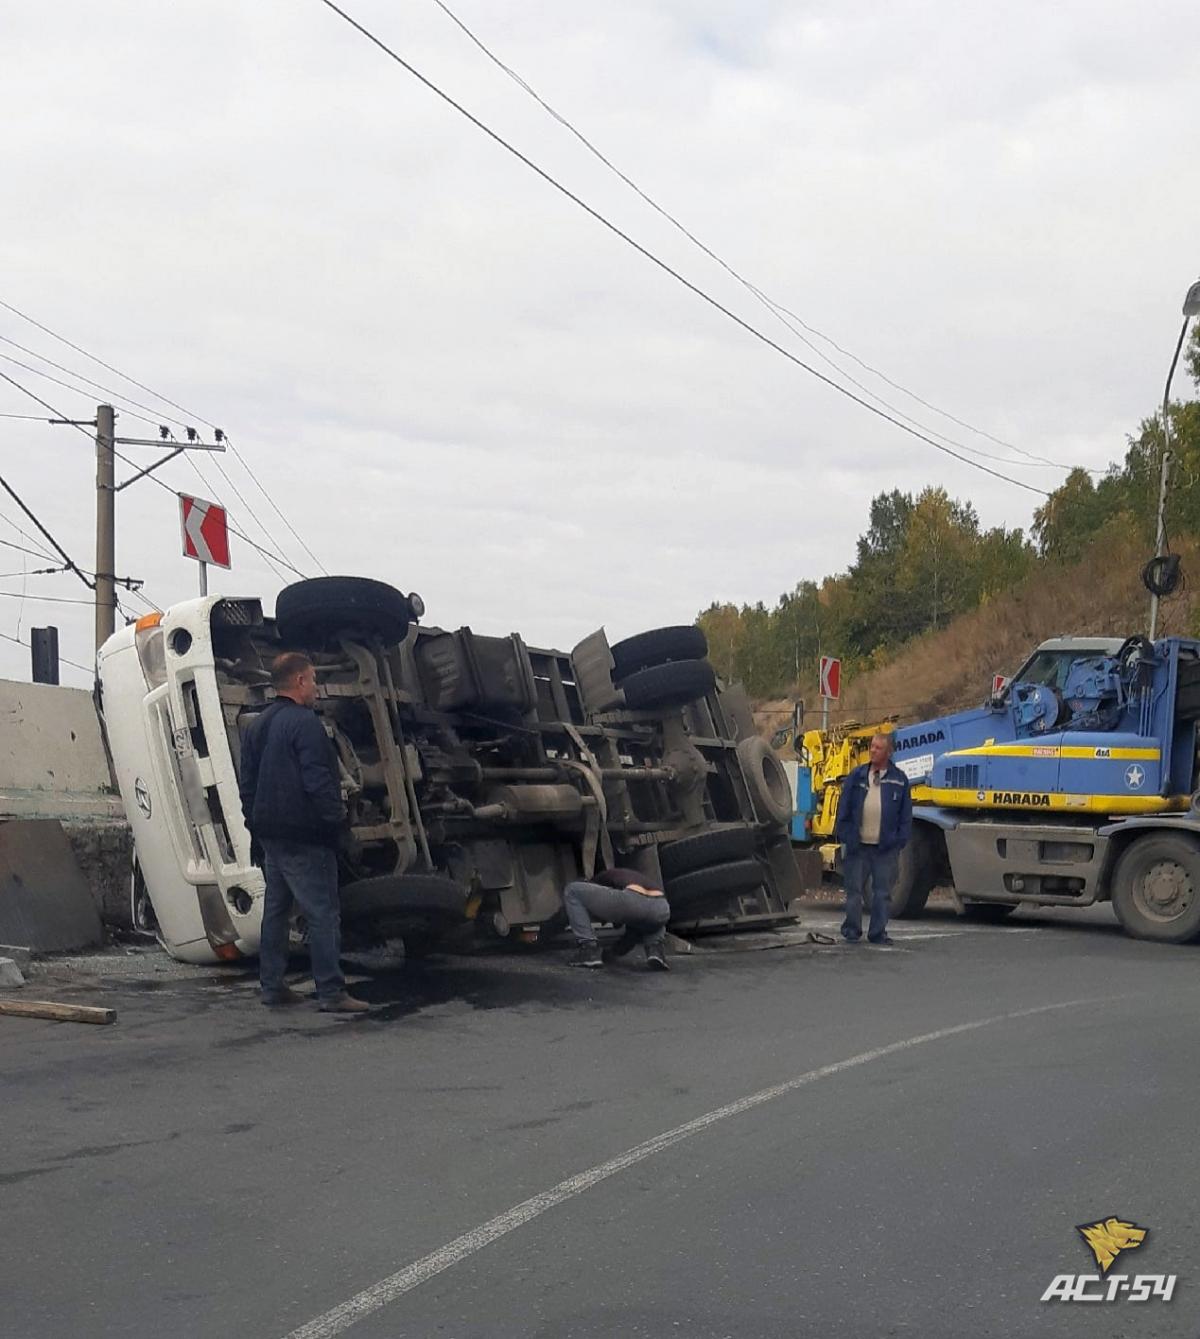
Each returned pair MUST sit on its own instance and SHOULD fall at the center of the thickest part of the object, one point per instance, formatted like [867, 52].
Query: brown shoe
[282, 998]
[344, 1004]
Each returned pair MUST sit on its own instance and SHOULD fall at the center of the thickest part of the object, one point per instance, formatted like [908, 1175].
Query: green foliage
[923, 560]
[1078, 510]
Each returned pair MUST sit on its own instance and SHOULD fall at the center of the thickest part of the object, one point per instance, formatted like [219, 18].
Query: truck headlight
[151, 650]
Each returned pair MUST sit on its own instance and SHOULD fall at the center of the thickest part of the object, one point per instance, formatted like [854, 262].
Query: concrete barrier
[52, 758]
[53, 765]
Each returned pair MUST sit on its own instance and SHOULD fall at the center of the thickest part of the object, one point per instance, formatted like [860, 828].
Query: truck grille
[963, 777]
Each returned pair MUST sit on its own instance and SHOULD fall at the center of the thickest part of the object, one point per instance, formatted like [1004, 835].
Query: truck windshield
[1051, 666]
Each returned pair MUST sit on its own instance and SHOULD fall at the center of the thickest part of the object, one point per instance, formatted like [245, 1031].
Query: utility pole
[106, 525]
[107, 489]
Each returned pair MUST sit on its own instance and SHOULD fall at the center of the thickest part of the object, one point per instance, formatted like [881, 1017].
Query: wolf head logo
[1107, 1238]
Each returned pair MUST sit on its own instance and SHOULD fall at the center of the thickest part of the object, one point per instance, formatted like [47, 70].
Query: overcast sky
[449, 377]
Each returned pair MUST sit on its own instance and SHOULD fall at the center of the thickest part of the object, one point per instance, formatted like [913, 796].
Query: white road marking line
[387, 1290]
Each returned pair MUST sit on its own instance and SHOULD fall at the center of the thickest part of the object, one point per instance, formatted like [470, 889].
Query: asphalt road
[926, 1126]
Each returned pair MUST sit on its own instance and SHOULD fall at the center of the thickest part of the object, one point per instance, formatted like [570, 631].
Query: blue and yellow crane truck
[1076, 784]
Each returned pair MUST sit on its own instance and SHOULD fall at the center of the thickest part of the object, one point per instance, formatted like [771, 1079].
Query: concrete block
[18, 953]
[104, 852]
[44, 898]
[10, 974]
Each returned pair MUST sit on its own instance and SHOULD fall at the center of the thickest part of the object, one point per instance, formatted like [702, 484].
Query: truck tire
[916, 871]
[735, 842]
[657, 647]
[701, 889]
[767, 781]
[313, 613]
[404, 900]
[672, 685]
[1156, 887]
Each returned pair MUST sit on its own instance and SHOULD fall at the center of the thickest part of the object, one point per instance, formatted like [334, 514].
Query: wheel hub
[1165, 891]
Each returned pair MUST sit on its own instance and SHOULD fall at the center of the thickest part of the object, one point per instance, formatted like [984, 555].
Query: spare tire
[766, 781]
[315, 613]
[671, 685]
[734, 842]
[416, 900]
[702, 888]
[659, 646]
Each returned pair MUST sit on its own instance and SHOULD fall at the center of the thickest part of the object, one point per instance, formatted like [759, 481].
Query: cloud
[448, 376]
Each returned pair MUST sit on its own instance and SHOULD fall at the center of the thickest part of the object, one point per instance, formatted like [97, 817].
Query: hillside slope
[952, 668]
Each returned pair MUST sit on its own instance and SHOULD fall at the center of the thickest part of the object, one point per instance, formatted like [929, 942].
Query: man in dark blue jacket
[873, 825]
[292, 802]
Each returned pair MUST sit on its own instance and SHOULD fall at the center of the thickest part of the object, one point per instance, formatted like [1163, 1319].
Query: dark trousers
[308, 875]
[860, 867]
[586, 902]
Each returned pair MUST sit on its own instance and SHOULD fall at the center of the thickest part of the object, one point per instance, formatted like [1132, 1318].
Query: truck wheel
[657, 647]
[735, 842]
[408, 901]
[141, 909]
[690, 893]
[671, 685]
[1156, 888]
[766, 780]
[916, 871]
[991, 912]
[314, 613]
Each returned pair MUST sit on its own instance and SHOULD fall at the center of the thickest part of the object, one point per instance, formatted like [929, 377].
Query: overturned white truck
[481, 774]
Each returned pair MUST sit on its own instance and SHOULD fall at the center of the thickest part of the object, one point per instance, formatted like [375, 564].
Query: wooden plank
[60, 1013]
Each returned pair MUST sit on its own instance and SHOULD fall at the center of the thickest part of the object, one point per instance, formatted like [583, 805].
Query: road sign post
[830, 686]
[205, 528]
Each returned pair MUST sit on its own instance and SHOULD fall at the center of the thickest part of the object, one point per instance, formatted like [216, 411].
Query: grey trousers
[587, 902]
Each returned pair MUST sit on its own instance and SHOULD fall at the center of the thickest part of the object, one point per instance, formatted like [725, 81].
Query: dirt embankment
[952, 669]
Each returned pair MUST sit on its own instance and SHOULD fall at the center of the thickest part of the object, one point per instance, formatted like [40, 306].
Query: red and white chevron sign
[205, 531]
[831, 677]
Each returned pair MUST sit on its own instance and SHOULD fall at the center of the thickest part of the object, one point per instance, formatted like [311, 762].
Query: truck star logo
[1134, 776]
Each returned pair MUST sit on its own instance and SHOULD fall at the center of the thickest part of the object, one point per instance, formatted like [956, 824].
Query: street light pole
[1191, 307]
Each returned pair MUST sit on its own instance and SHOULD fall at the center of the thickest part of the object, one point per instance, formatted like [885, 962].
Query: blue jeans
[309, 875]
[863, 865]
[585, 902]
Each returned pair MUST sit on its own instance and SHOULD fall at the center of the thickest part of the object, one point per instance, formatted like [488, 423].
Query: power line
[40, 552]
[61, 418]
[116, 395]
[34, 572]
[127, 582]
[58, 548]
[199, 418]
[778, 310]
[20, 641]
[43, 599]
[278, 558]
[667, 269]
[66, 385]
[20, 548]
[70, 371]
